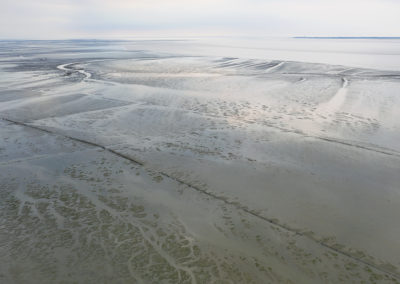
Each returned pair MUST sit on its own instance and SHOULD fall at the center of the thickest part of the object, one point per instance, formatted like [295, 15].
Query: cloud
[103, 18]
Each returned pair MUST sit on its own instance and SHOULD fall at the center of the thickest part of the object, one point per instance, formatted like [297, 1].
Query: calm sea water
[383, 54]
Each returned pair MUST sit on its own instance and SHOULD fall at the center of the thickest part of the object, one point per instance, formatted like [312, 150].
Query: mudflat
[162, 162]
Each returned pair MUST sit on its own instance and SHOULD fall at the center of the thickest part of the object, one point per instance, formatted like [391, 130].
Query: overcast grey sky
[55, 19]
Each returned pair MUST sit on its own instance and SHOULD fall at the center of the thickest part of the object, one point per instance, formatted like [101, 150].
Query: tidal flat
[189, 161]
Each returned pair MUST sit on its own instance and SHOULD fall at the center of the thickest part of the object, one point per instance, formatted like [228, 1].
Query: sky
[61, 19]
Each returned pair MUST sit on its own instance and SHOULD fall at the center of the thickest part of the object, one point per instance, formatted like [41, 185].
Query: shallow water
[199, 161]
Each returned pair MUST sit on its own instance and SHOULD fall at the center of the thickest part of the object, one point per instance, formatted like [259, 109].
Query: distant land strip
[348, 37]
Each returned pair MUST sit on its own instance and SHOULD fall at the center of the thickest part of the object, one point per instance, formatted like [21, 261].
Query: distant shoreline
[345, 37]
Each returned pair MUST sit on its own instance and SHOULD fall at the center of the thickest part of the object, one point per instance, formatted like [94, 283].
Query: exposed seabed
[122, 164]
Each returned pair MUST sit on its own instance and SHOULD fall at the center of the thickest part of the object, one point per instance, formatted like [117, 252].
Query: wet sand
[130, 165]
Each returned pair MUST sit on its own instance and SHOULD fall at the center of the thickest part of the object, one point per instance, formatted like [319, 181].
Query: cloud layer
[127, 18]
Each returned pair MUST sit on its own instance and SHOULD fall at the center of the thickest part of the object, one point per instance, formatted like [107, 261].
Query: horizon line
[348, 37]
